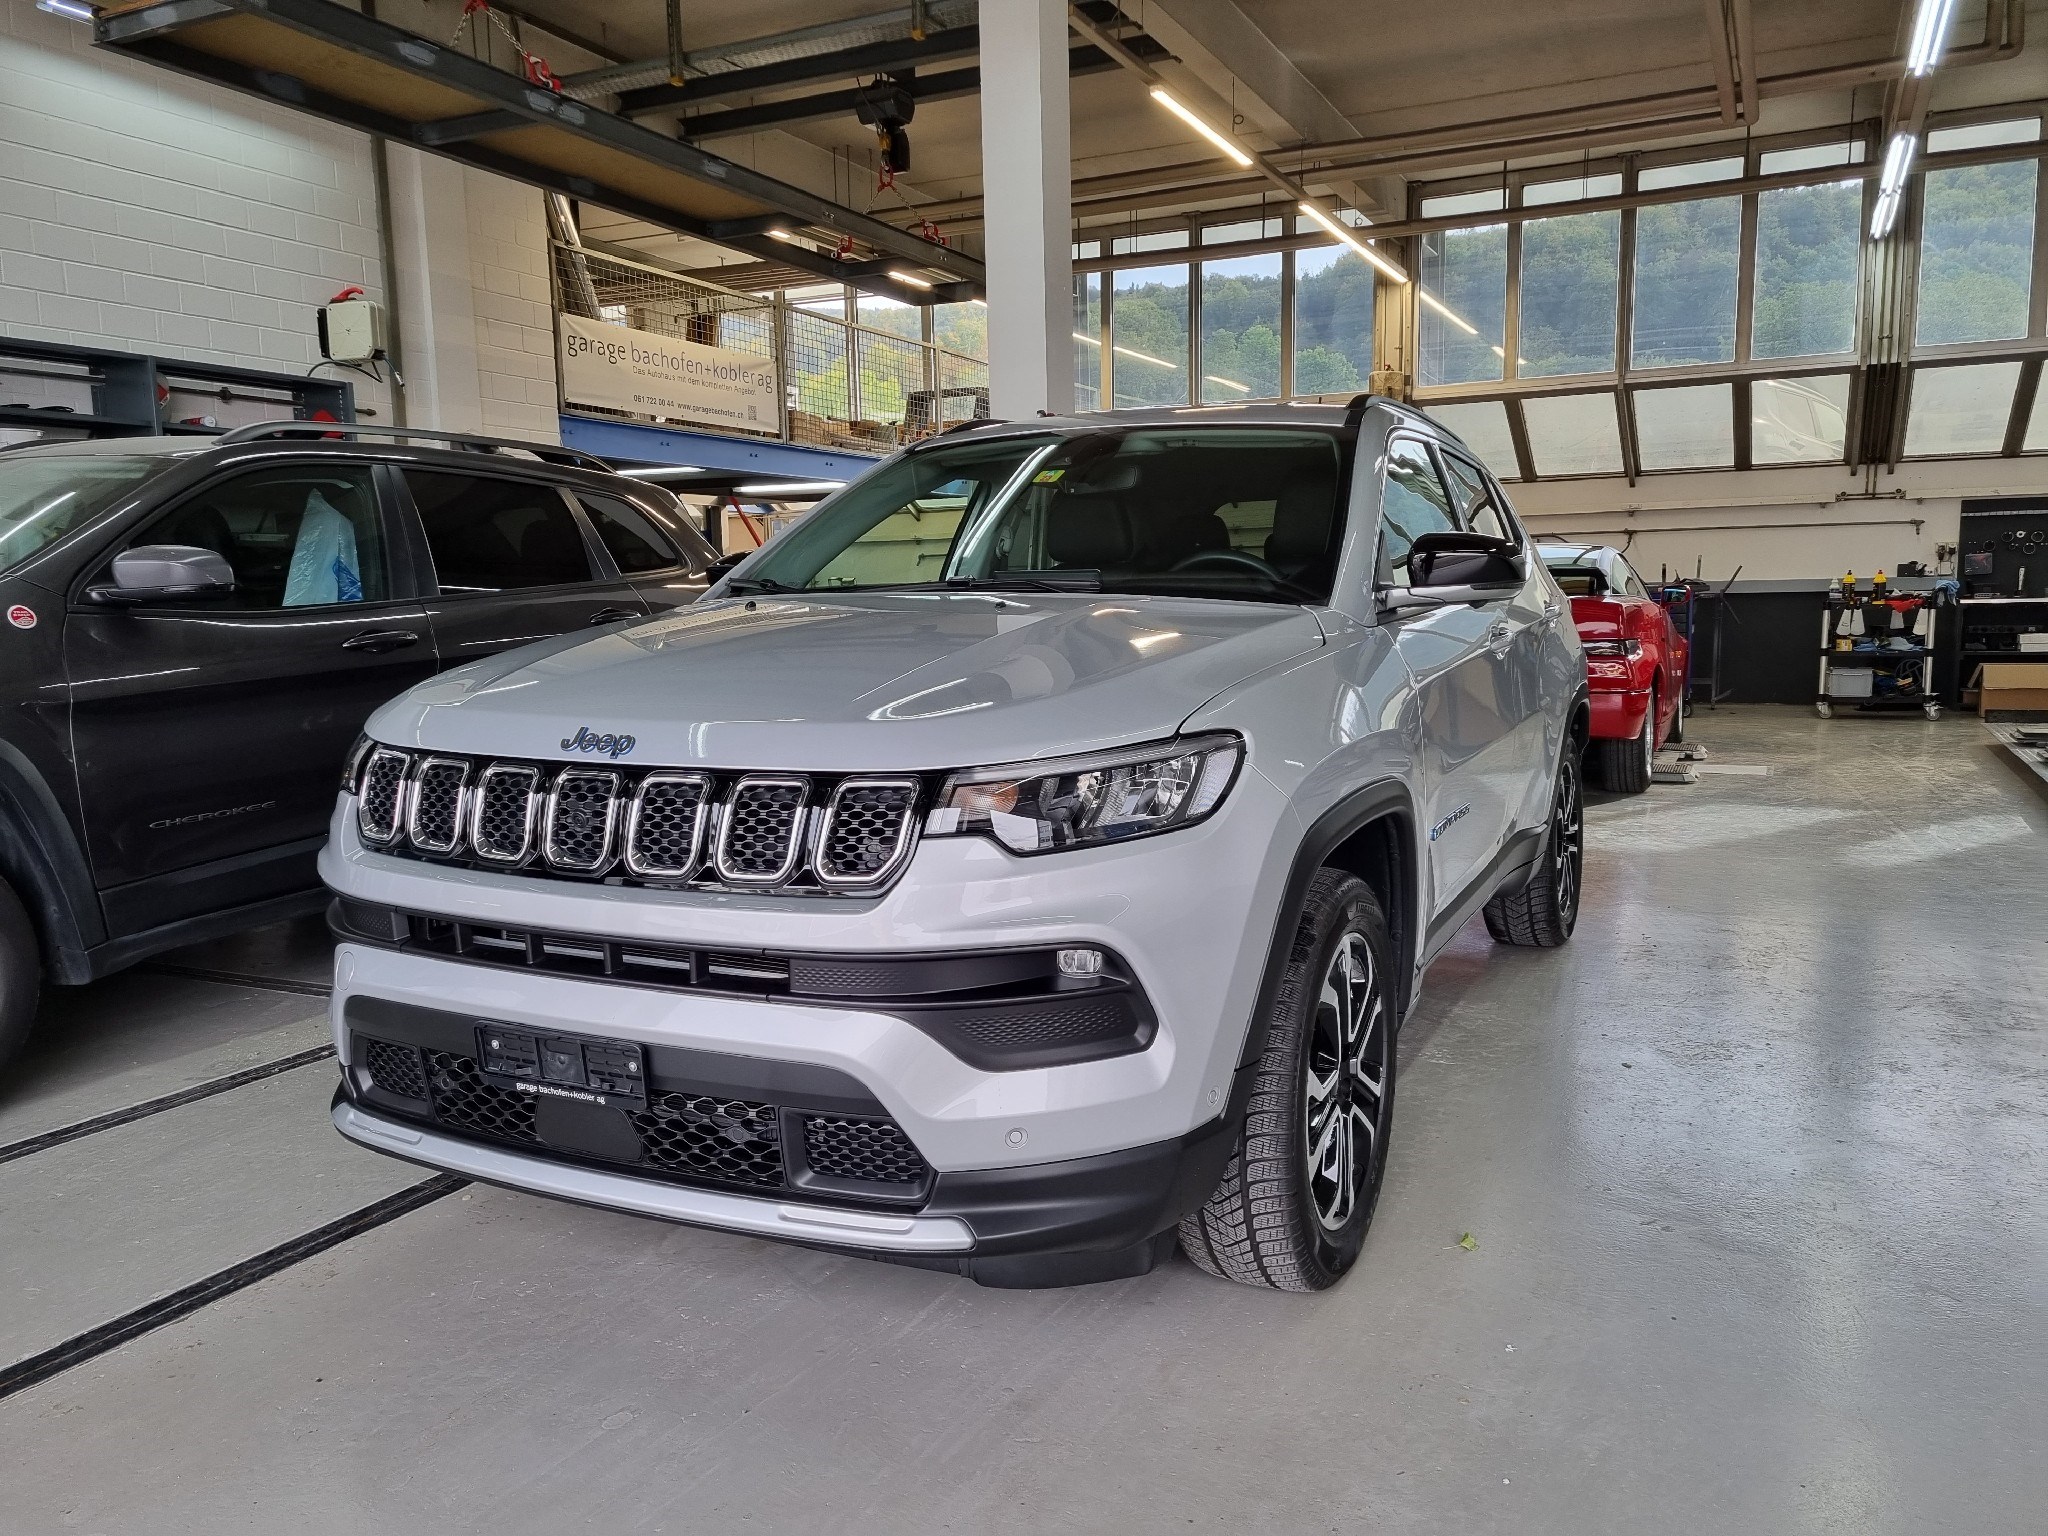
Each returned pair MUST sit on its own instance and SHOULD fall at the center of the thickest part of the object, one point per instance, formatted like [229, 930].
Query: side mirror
[1450, 568]
[159, 573]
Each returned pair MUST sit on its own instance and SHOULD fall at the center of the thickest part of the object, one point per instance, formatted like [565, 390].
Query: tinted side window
[298, 536]
[635, 543]
[1412, 502]
[490, 535]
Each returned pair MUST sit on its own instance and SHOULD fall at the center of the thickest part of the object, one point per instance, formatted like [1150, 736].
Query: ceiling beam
[845, 64]
[944, 86]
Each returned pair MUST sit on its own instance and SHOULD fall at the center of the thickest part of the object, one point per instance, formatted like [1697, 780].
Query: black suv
[197, 629]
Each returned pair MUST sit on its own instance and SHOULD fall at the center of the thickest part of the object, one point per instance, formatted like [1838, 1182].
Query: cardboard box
[2013, 685]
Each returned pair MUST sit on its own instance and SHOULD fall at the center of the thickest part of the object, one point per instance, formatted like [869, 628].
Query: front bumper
[1089, 1219]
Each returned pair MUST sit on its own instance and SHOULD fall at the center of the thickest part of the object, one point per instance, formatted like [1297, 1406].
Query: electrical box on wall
[352, 330]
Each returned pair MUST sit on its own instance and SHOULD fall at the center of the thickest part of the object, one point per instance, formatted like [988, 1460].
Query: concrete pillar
[1028, 233]
[430, 286]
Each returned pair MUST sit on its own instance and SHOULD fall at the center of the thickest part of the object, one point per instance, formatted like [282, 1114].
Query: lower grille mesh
[462, 1098]
[396, 1069]
[691, 1137]
[726, 1139]
[873, 1151]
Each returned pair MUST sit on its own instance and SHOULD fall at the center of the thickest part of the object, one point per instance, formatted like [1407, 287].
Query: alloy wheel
[1346, 1089]
[1567, 842]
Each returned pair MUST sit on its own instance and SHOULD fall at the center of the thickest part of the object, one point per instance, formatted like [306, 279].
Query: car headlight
[1084, 802]
[352, 765]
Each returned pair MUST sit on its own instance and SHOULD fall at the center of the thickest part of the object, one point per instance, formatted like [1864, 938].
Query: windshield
[1231, 512]
[42, 499]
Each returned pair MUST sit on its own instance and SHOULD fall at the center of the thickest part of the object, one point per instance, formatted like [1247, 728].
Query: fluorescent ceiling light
[1930, 35]
[1165, 99]
[909, 277]
[790, 488]
[785, 236]
[1447, 312]
[1144, 357]
[1891, 184]
[69, 8]
[1092, 341]
[663, 472]
[1364, 248]
[1211, 378]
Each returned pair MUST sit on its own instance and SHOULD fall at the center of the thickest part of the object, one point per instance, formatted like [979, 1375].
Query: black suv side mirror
[1457, 567]
[158, 573]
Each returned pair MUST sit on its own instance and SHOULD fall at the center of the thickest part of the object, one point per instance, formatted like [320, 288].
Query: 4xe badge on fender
[607, 744]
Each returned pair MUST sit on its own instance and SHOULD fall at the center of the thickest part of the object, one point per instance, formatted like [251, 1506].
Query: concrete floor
[1757, 1168]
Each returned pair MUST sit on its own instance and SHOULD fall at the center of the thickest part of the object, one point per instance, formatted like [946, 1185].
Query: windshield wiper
[746, 584]
[1029, 581]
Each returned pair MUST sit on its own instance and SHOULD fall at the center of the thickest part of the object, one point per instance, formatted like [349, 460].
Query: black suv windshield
[44, 497]
[1230, 512]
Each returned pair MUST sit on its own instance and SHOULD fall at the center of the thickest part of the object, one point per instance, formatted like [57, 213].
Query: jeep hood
[859, 681]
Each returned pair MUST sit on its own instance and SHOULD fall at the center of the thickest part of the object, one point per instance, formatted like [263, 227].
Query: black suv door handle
[377, 641]
[613, 615]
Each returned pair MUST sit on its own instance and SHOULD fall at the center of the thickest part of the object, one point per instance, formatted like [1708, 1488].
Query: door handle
[1550, 613]
[613, 615]
[378, 641]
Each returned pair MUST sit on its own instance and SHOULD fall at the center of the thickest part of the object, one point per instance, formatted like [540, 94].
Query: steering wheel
[1231, 557]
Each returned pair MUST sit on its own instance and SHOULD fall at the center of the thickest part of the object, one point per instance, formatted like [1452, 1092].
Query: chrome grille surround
[856, 844]
[434, 806]
[380, 804]
[659, 841]
[761, 831]
[712, 829]
[505, 794]
[582, 814]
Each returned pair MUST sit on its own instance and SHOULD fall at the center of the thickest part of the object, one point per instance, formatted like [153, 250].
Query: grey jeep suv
[1026, 859]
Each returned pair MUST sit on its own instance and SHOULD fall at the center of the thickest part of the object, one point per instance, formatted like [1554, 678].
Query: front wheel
[1294, 1204]
[21, 974]
[1542, 914]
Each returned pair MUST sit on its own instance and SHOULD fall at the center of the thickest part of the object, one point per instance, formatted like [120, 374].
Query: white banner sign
[621, 369]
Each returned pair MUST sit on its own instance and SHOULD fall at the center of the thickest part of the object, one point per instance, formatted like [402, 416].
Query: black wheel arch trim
[1383, 800]
[41, 858]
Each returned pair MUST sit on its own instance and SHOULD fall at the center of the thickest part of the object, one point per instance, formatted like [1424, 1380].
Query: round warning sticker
[21, 616]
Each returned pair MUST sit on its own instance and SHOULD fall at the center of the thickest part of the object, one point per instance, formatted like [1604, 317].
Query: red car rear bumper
[1619, 712]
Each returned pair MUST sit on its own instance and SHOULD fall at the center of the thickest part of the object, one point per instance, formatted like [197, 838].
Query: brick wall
[514, 307]
[146, 212]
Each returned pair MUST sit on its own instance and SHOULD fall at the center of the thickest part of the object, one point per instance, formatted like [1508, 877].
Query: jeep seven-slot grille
[755, 831]
[433, 821]
[683, 1136]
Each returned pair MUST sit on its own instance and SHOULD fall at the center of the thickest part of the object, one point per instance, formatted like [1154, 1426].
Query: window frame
[603, 569]
[1430, 448]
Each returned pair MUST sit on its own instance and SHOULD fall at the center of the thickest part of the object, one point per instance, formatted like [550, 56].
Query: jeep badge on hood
[585, 740]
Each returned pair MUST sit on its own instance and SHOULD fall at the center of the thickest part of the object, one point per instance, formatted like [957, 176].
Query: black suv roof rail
[552, 453]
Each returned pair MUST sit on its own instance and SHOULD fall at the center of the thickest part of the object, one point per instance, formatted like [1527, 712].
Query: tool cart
[1877, 649]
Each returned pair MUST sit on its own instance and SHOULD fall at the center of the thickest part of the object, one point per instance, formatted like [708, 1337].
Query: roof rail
[552, 453]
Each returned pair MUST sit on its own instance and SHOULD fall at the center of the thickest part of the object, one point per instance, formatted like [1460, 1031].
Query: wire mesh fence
[843, 385]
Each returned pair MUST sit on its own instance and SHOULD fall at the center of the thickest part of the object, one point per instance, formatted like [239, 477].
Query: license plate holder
[585, 1067]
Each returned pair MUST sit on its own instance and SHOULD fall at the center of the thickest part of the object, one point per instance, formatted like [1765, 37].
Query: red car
[1635, 661]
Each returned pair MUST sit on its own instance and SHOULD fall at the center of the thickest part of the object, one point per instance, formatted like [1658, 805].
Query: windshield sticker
[1048, 477]
[21, 616]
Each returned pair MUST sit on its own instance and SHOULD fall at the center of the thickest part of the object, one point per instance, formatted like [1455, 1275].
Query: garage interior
[1730, 1213]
